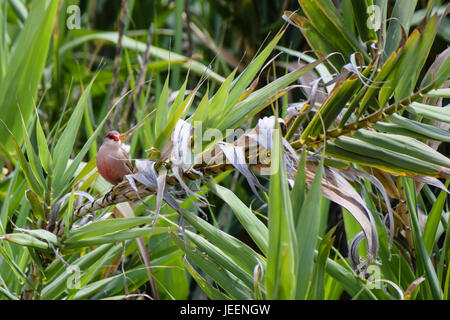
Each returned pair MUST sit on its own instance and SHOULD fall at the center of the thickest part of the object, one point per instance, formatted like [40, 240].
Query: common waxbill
[113, 161]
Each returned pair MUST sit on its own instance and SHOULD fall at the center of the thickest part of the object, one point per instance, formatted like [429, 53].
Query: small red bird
[113, 161]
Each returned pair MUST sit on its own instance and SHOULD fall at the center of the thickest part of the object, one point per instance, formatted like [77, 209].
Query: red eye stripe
[113, 137]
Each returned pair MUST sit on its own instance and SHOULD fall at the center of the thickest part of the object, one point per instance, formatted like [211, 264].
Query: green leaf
[256, 229]
[231, 284]
[403, 145]
[352, 228]
[430, 112]
[443, 260]
[178, 100]
[321, 68]
[259, 99]
[26, 168]
[94, 271]
[433, 220]
[177, 111]
[69, 214]
[88, 125]
[162, 109]
[219, 257]
[14, 267]
[318, 43]
[442, 75]
[298, 193]
[34, 161]
[385, 71]
[394, 266]
[115, 237]
[64, 146]
[414, 62]
[201, 113]
[427, 130]
[397, 159]
[3, 47]
[362, 18]
[333, 150]
[36, 204]
[8, 294]
[18, 88]
[19, 9]
[439, 93]
[318, 285]
[281, 259]
[132, 280]
[351, 283]
[404, 65]
[42, 234]
[99, 228]
[245, 78]
[25, 240]
[400, 18]
[328, 21]
[396, 129]
[218, 106]
[44, 153]
[423, 258]
[90, 289]
[307, 229]
[333, 105]
[207, 288]
[16, 189]
[57, 286]
[238, 251]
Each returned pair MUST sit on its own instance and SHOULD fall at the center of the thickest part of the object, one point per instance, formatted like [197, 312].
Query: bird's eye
[113, 137]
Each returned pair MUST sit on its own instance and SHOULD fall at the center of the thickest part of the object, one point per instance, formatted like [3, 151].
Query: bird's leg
[109, 196]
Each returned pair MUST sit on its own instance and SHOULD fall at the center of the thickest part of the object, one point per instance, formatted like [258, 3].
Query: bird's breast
[110, 165]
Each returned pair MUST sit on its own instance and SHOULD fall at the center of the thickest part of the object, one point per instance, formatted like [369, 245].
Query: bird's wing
[126, 159]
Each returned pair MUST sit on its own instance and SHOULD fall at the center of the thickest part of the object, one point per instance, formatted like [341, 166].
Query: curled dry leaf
[413, 286]
[336, 188]
[352, 174]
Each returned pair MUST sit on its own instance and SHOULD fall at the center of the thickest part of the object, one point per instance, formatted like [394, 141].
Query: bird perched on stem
[113, 161]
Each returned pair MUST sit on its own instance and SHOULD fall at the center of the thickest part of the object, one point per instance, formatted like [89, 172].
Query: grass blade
[18, 88]
[64, 146]
[307, 229]
[280, 273]
[211, 292]
[421, 251]
[255, 227]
